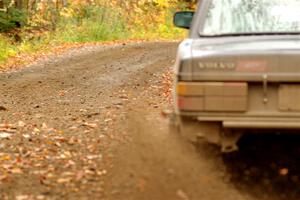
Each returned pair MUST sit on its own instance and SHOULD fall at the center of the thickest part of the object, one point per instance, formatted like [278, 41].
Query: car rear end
[239, 69]
[241, 84]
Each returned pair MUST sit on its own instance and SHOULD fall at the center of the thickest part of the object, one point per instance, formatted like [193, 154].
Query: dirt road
[88, 125]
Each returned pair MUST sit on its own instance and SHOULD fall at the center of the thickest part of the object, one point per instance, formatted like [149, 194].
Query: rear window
[251, 16]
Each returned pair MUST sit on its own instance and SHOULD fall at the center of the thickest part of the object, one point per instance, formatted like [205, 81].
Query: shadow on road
[266, 167]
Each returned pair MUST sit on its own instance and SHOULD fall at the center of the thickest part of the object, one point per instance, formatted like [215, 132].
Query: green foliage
[5, 24]
[83, 21]
[95, 24]
[11, 19]
[6, 49]
[164, 29]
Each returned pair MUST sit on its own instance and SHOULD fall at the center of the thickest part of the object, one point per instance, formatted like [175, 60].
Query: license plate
[289, 97]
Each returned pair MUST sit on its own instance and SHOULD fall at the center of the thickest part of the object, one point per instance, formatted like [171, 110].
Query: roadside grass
[6, 49]
[97, 25]
[9, 48]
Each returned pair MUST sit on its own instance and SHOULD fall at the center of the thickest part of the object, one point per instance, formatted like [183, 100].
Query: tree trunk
[19, 4]
[64, 3]
[30, 5]
[1, 4]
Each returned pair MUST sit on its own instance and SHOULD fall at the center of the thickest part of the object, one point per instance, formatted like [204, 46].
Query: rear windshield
[251, 16]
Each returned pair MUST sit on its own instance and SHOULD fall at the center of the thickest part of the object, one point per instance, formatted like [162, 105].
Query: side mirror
[183, 19]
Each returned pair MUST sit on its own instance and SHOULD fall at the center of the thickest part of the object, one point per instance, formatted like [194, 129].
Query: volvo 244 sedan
[238, 70]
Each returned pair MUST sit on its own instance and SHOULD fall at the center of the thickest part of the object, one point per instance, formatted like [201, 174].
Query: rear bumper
[250, 121]
[267, 124]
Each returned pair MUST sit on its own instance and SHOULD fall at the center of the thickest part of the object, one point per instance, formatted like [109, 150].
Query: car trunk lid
[245, 60]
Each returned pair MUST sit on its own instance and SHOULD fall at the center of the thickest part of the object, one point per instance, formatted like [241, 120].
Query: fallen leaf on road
[5, 157]
[16, 171]
[283, 171]
[73, 128]
[4, 135]
[92, 157]
[166, 113]
[90, 125]
[40, 197]
[8, 130]
[26, 136]
[108, 120]
[2, 108]
[72, 141]
[36, 130]
[87, 131]
[22, 197]
[63, 180]
[68, 174]
[101, 173]
[79, 175]
[62, 93]
[7, 126]
[142, 185]
[44, 126]
[182, 195]
[21, 124]
[3, 178]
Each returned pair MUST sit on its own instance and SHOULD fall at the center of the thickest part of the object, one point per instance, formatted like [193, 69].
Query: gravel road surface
[88, 124]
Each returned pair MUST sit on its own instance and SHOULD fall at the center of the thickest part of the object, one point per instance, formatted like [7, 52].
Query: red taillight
[212, 96]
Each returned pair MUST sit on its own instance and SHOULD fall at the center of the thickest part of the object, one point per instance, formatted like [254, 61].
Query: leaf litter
[61, 158]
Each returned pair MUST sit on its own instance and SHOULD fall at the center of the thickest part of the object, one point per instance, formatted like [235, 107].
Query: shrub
[6, 49]
[95, 24]
[11, 19]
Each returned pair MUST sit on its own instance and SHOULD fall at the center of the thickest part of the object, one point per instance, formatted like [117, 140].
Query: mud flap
[194, 130]
[174, 123]
[229, 139]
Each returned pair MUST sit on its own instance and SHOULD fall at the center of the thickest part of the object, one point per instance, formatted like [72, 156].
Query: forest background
[29, 26]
